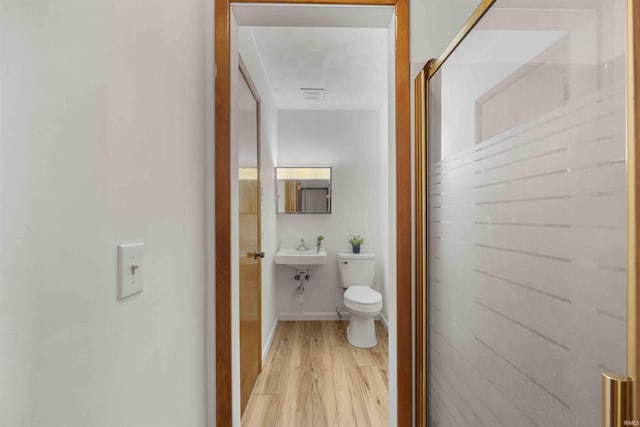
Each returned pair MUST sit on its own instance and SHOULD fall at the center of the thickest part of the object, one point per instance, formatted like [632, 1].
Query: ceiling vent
[312, 94]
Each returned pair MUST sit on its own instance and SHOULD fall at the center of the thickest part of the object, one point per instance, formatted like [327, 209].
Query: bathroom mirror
[303, 190]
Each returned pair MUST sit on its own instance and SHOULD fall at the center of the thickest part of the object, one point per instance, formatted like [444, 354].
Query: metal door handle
[617, 400]
[257, 255]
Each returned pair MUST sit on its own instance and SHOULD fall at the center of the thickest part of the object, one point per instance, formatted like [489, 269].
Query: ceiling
[349, 63]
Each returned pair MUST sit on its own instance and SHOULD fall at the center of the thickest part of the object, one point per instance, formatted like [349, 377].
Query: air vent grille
[312, 94]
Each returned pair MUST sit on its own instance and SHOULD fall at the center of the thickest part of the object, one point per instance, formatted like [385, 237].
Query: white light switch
[130, 270]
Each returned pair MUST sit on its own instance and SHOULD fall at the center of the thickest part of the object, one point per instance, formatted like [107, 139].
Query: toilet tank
[356, 269]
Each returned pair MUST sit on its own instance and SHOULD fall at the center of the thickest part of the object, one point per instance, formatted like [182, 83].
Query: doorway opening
[393, 260]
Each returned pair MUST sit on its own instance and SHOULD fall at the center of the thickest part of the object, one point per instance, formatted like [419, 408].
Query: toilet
[355, 273]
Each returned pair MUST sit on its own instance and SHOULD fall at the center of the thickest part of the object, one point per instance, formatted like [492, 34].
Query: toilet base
[361, 331]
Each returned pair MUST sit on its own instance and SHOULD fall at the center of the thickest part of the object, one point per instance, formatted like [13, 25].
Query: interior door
[249, 244]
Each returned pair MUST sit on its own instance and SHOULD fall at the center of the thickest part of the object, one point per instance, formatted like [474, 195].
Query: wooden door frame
[222, 210]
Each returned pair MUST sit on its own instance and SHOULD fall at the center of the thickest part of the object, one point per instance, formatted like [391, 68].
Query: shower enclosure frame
[421, 161]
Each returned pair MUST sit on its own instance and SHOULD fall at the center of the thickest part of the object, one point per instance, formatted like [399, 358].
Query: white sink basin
[296, 258]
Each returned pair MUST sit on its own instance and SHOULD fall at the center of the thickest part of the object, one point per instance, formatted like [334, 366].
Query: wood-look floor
[314, 377]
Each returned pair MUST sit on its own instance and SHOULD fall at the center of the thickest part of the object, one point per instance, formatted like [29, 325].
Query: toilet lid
[362, 295]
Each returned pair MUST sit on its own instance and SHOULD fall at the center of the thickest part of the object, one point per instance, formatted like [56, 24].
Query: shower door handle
[617, 400]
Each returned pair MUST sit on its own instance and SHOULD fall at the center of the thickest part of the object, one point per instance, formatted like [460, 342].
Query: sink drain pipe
[301, 276]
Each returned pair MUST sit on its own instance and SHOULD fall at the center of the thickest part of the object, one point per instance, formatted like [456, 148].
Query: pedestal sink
[295, 258]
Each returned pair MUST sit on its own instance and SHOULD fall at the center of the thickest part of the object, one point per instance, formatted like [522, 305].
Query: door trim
[222, 210]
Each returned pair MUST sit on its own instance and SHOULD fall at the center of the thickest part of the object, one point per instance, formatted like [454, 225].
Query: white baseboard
[267, 345]
[329, 315]
[383, 320]
[322, 315]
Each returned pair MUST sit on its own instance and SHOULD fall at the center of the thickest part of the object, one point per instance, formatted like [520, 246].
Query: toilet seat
[363, 299]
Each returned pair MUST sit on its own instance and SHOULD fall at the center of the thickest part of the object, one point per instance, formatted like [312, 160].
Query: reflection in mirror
[303, 190]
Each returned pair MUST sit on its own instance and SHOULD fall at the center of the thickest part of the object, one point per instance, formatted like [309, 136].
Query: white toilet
[355, 272]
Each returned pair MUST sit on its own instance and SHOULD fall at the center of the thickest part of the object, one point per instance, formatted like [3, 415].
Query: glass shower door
[526, 201]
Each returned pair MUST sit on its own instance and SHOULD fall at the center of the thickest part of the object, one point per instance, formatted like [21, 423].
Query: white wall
[102, 141]
[268, 160]
[90, 88]
[210, 304]
[390, 226]
[348, 141]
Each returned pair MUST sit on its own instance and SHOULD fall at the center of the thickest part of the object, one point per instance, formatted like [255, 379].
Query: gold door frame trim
[421, 162]
[420, 214]
[633, 201]
[222, 209]
[435, 64]
[633, 207]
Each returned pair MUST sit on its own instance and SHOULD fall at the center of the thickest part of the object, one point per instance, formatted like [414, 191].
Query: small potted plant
[356, 242]
[319, 240]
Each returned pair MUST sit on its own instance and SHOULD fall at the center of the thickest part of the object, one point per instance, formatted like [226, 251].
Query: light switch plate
[130, 269]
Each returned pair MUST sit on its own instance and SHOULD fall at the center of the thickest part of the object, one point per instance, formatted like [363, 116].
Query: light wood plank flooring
[314, 377]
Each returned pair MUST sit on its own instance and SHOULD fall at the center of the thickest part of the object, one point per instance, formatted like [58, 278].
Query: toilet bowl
[356, 273]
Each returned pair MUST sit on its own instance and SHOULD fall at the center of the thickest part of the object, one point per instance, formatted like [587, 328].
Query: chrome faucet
[302, 246]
